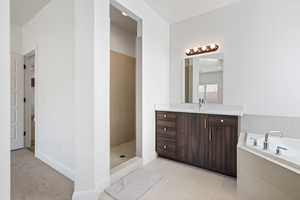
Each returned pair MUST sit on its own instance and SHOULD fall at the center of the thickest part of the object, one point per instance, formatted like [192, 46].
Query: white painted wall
[5, 100]
[122, 41]
[155, 70]
[269, 58]
[52, 32]
[260, 40]
[92, 162]
[195, 32]
[16, 38]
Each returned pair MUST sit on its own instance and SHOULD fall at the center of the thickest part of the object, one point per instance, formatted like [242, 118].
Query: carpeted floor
[31, 179]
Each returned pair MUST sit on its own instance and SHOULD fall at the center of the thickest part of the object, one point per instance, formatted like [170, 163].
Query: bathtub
[264, 175]
[289, 157]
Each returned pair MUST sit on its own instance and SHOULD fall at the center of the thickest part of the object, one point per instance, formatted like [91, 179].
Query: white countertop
[216, 109]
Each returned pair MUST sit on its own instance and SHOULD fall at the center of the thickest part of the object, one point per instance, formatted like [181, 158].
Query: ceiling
[124, 22]
[24, 10]
[178, 10]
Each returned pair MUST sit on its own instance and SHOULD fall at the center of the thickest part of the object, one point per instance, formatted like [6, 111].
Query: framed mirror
[203, 78]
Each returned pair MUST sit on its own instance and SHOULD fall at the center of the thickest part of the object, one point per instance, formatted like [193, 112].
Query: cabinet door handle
[165, 130]
[210, 135]
[165, 116]
[205, 123]
[165, 147]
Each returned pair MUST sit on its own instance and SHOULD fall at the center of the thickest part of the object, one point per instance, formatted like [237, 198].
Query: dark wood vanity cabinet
[207, 141]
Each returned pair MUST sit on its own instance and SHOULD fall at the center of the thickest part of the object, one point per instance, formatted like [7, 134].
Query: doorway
[123, 87]
[17, 101]
[29, 101]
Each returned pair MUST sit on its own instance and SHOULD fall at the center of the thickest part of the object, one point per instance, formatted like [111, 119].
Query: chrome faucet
[201, 102]
[278, 150]
[266, 142]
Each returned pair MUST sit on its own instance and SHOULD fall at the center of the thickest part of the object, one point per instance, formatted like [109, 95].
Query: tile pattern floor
[31, 179]
[184, 182]
[126, 149]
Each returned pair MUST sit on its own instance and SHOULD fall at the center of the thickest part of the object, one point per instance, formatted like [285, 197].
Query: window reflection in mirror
[204, 79]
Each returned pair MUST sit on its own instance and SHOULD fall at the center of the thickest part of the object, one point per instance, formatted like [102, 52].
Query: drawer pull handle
[165, 129]
[222, 121]
[165, 116]
[165, 147]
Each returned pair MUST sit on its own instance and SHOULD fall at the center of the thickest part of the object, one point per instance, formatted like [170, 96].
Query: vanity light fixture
[201, 50]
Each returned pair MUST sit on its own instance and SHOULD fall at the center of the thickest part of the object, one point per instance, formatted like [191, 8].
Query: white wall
[16, 38]
[93, 170]
[155, 70]
[52, 32]
[194, 32]
[122, 41]
[5, 100]
[268, 57]
[88, 147]
[260, 40]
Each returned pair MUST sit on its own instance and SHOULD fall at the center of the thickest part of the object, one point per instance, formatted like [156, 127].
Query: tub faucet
[278, 150]
[266, 142]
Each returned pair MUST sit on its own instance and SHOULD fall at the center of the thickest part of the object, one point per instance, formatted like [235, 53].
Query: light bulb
[203, 48]
[213, 46]
[188, 51]
[124, 14]
[195, 49]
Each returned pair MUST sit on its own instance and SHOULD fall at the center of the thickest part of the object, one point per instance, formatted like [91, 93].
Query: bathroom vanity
[199, 137]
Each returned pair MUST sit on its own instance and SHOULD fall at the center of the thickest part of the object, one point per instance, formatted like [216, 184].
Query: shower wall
[122, 98]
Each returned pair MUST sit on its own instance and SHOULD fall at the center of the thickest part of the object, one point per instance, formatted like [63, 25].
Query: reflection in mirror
[204, 79]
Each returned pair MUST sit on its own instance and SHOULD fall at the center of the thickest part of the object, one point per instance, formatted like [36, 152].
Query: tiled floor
[31, 179]
[126, 149]
[184, 182]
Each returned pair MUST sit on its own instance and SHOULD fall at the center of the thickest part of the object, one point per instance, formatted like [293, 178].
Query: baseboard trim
[150, 158]
[56, 165]
[85, 195]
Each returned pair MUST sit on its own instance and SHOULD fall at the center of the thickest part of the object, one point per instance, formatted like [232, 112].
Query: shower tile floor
[122, 153]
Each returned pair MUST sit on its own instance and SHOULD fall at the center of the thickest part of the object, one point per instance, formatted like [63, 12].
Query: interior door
[17, 101]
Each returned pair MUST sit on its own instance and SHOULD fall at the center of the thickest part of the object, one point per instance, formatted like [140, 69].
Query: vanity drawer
[166, 124]
[222, 120]
[166, 148]
[166, 116]
[166, 132]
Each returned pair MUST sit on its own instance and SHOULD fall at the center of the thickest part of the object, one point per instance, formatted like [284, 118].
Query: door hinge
[32, 82]
[24, 100]
[24, 133]
[24, 66]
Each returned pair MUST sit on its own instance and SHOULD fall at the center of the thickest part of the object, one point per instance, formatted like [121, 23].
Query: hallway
[33, 180]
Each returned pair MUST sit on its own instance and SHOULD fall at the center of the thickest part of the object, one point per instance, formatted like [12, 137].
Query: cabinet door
[223, 144]
[199, 143]
[192, 139]
[186, 123]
